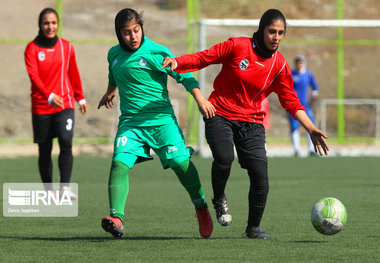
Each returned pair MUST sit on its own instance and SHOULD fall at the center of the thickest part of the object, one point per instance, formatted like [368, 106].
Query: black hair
[41, 40]
[124, 16]
[258, 37]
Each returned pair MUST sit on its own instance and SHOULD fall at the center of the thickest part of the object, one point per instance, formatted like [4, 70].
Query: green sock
[118, 188]
[188, 176]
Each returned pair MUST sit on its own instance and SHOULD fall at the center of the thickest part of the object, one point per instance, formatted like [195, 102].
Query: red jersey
[245, 79]
[53, 70]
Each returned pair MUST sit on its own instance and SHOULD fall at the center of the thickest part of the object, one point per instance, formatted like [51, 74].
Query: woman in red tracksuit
[51, 65]
[252, 69]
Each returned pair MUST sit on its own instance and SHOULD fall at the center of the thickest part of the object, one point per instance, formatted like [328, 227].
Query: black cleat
[256, 232]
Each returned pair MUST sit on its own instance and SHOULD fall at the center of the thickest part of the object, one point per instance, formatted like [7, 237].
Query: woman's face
[49, 25]
[299, 65]
[273, 34]
[132, 34]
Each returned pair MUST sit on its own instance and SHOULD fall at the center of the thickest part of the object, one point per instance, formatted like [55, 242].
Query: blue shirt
[302, 81]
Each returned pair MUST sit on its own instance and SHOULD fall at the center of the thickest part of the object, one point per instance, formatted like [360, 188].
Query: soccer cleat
[205, 221]
[256, 232]
[222, 213]
[69, 192]
[113, 225]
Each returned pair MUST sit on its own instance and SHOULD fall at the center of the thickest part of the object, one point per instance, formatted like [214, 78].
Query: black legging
[223, 154]
[65, 160]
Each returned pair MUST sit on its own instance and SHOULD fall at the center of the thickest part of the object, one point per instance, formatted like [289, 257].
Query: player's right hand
[169, 62]
[57, 101]
[107, 101]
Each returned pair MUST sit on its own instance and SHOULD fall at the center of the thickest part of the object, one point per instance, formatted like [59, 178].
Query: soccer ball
[328, 216]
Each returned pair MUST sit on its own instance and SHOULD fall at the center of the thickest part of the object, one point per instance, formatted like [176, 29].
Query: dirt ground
[85, 21]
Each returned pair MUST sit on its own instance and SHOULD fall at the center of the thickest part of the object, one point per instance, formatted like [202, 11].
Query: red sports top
[245, 80]
[53, 70]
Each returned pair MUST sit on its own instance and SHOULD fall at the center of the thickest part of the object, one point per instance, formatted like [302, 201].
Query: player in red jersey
[56, 85]
[252, 69]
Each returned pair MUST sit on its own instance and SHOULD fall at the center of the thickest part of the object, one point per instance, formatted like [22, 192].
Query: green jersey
[142, 84]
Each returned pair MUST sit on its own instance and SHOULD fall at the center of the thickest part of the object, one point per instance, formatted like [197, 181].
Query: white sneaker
[69, 192]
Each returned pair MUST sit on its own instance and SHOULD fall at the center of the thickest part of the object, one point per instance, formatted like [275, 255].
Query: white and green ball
[328, 216]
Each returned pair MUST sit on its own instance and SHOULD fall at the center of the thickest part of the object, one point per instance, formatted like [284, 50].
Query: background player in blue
[303, 80]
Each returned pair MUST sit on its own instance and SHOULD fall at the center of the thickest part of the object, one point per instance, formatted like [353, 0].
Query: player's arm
[283, 86]
[107, 99]
[196, 61]
[32, 69]
[192, 86]
[76, 82]
[314, 88]
[317, 136]
[204, 106]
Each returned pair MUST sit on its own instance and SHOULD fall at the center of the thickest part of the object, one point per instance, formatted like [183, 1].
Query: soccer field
[161, 226]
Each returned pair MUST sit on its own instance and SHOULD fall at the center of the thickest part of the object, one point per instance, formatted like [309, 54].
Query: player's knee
[45, 148]
[180, 163]
[128, 159]
[119, 165]
[65, 142]
[223, 153]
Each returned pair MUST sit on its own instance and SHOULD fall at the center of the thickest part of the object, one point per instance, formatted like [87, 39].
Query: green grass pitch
[160, 224]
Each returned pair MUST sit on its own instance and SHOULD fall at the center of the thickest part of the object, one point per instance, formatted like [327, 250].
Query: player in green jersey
[147, 119]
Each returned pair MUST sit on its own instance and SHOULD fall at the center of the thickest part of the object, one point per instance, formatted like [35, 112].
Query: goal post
[339, 24]
[357, 103]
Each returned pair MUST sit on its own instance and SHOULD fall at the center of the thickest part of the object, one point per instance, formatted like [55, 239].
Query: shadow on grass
[307, 241]
[95, 239]
[110, 238]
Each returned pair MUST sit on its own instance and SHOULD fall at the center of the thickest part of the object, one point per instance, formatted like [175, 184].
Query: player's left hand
[83, 108]
[319, 141]
[206, 108]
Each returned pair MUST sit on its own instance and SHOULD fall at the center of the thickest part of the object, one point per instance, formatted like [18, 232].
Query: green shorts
[133, 144]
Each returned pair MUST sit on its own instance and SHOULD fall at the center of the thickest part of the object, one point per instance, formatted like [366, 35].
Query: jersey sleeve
[196, 61]
[30, 56]
[111, 79]
[186, 79]
[75, 77]
[282, 85]
[313, 83]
